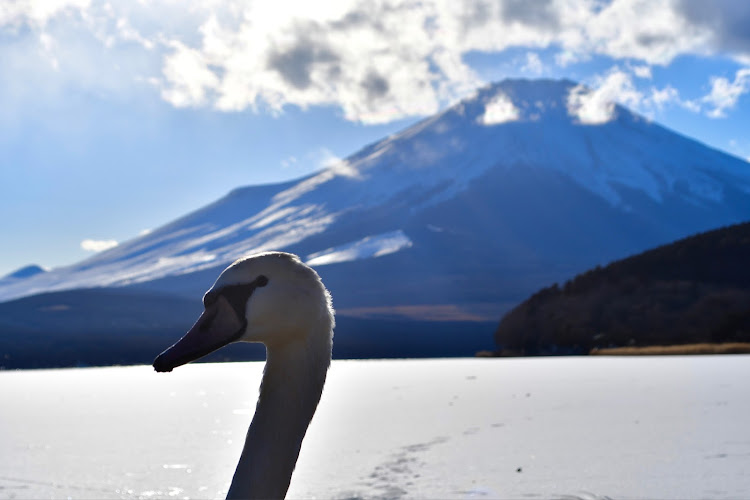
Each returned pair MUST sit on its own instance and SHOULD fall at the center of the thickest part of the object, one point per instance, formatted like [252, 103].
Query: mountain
[696, 290]
[456, 218]
[24, 272]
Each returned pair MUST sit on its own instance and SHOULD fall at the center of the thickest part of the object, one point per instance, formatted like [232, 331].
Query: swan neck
[290, 390]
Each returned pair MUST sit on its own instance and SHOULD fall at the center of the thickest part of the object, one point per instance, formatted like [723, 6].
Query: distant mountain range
[696, 290]
[455, 219]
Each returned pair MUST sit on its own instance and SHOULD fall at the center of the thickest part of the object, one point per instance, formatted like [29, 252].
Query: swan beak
[215, 328]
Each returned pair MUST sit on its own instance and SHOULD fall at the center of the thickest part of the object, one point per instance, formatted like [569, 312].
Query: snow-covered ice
[658, 427]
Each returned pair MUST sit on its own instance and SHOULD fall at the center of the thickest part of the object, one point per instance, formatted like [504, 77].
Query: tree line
[693, 290]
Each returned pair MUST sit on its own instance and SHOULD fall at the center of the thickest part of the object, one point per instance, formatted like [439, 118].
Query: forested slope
[693, 290]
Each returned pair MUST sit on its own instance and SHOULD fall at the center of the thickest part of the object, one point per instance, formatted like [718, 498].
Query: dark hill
[693, 290]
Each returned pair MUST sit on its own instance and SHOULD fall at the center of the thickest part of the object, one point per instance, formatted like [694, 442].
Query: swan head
[271, 298]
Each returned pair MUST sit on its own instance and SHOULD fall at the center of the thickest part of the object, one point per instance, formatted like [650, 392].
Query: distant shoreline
[649, 350]
[658, 350]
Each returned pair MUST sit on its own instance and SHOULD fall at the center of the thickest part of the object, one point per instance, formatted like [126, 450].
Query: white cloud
[658, 99]
[533, 64]
[691, 105]
[565, 58]
[725, 94]
[326, 159]
[595, 106]
[37, 12]
[661, 97]
[644, 30]
[499, 110]
[723, 24]
[191, 78]
[381, 61]
[289, 162]
[377, 61]
[642, 72]
[97, 245]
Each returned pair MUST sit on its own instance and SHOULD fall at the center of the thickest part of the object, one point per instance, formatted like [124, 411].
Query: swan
[275, 299]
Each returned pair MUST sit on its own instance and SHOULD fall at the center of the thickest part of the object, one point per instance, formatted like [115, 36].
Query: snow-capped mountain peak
[512, 179]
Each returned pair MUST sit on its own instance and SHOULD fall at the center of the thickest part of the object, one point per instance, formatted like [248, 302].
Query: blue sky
[117, 117]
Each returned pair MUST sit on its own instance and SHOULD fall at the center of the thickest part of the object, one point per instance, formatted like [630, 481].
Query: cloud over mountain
[499, 194]
[376, 61]
[97, 245]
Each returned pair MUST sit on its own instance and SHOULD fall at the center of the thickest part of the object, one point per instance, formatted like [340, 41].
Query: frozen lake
[587, 427]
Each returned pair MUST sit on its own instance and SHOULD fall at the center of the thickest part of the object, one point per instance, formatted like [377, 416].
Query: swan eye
[261, 281]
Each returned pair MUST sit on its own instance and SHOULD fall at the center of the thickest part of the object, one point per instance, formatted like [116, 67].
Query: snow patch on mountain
[513, 129]
[366, 248]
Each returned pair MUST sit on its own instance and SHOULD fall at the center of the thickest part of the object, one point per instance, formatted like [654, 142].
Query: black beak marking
[237, 297]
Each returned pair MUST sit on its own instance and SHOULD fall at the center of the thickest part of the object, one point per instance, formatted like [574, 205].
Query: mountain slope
[456, 218]
[691, 291]
[24, 272]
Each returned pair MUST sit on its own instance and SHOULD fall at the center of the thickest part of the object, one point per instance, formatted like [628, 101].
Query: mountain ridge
[485, 210]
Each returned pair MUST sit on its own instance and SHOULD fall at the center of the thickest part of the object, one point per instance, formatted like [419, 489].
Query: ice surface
[627, 428]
